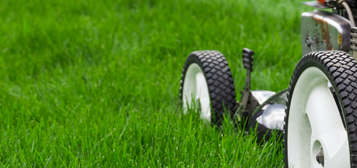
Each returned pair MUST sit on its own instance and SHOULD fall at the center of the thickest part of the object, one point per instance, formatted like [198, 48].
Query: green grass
[95, 83]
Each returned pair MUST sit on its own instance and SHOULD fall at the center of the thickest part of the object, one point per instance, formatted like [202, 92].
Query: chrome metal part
[316, 4]
[273, 116]
[328, 31]
[253, 100]
[273, 111]
[262, 95]
[320, 158]
[349, 12]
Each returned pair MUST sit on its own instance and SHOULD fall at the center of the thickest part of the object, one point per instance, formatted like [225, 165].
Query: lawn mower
[316, 115]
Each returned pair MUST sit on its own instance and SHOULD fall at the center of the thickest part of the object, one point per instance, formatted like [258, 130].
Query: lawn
[95, 83]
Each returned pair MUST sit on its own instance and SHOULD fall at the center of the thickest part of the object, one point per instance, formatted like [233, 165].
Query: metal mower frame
[324, 80]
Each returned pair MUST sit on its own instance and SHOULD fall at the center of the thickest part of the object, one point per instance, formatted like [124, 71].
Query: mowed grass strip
[95, 83]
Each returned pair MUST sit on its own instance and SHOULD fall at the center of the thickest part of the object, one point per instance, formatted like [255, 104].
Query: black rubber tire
[219, 79]
[341, 70]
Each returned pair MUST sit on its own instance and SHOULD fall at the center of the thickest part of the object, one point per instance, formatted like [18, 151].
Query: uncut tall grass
[95, 83]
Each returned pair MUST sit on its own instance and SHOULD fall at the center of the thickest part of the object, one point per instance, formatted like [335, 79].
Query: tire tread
[219, 79]
[340, 69]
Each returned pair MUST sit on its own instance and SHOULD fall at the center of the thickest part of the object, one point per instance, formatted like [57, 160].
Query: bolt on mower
[316, 115]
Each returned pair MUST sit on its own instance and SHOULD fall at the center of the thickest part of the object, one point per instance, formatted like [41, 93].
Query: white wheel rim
[314, 122]
[195, 89]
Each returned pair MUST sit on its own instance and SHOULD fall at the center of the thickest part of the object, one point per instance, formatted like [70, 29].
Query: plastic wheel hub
[196, 90]
[315, 123]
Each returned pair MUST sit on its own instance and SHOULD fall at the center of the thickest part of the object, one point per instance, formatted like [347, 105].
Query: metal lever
[246, 94]
[248, 65]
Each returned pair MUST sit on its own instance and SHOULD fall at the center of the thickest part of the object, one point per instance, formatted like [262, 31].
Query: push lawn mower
[317, 113]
